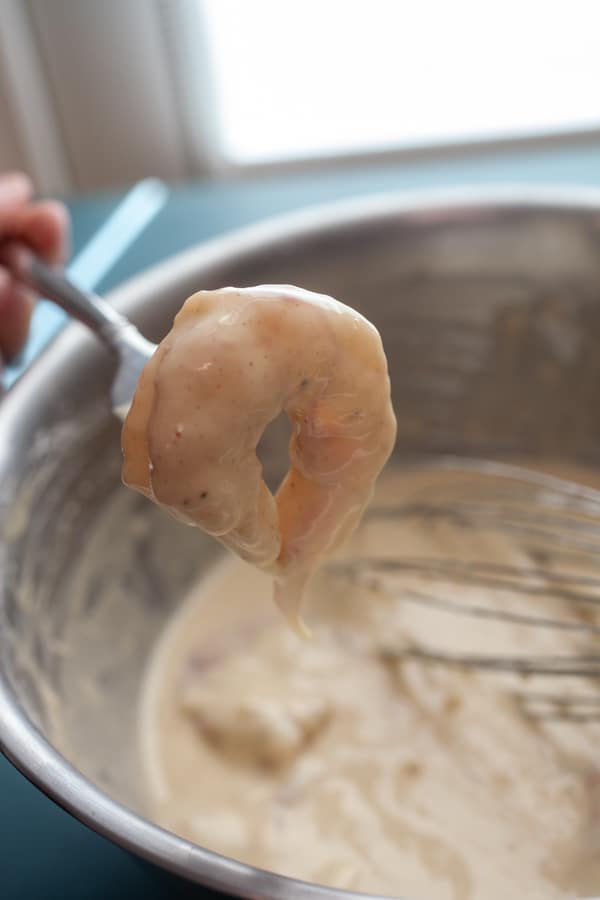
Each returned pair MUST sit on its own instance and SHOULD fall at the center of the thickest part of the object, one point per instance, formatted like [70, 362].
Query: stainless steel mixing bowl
[489, 307]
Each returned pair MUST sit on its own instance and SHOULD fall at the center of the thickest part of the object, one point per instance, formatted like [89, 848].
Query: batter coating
[234, 359]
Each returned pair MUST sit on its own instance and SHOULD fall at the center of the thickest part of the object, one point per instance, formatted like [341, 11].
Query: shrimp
[234, 359]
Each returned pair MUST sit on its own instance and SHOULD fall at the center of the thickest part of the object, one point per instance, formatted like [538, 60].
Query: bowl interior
[491, 321]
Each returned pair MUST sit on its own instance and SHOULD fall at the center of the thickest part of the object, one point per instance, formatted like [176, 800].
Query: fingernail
[14, 186]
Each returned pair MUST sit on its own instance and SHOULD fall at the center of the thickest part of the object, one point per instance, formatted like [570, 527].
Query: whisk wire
[552, 522]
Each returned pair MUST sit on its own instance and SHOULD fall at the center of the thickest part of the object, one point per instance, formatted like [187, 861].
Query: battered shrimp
[233, 360]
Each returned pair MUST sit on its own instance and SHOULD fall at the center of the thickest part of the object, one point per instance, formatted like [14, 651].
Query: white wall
[10, 150]
[29, 136]
[86, 93]
[116, 112]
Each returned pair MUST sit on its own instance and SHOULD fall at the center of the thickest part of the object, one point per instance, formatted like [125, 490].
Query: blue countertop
[44, 853]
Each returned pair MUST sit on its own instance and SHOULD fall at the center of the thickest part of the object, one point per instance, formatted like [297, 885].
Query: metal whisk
[550, 529]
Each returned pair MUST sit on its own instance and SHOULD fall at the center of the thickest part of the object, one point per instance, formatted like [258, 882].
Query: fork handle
[54, 285]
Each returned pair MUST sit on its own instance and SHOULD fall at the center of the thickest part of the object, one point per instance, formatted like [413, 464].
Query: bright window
[319, 77]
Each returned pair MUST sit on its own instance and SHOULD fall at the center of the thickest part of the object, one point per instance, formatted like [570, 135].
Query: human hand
[44, 226]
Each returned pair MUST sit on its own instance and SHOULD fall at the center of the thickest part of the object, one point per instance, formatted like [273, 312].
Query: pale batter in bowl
[321, 760]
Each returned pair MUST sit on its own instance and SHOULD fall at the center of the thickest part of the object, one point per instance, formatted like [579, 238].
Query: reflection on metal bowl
[489, 306]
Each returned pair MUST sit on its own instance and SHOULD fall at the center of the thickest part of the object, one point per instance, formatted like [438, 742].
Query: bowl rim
[23, 745]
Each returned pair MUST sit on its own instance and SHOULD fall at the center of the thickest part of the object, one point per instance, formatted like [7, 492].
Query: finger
[16, 306]
[44, 227]
[15, 191]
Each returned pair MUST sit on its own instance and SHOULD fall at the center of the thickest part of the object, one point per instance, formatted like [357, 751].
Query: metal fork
[122, 338]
